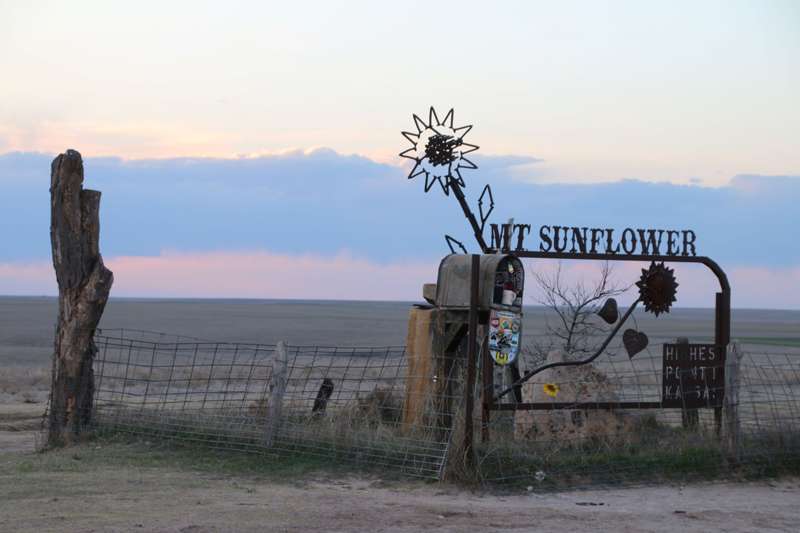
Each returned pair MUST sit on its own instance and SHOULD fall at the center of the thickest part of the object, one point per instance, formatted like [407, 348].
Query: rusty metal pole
[722, 336]
[487, 393]
[472, 355]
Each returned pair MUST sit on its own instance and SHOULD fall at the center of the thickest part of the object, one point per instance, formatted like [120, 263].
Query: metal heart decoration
[609, 311]
[634, 341]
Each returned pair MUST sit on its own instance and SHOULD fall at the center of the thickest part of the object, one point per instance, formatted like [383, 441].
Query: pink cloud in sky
[254, 274]
[261, 274]
[132, 139]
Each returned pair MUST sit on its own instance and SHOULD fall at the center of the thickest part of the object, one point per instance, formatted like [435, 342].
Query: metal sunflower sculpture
[439, 151]
[657, 288]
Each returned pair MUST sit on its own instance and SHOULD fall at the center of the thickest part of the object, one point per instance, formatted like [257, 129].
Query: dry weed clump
[364, 418]
[380, 406]
[259, 408]
[32, 384]
[379, 409]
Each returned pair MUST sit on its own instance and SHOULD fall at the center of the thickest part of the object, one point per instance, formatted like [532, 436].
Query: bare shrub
[575, 330]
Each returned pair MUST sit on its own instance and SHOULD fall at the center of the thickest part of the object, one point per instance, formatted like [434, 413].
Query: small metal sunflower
[551, 389]
[657, 288]
[438, 151]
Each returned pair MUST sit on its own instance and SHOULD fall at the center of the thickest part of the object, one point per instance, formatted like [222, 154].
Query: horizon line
[336, 300]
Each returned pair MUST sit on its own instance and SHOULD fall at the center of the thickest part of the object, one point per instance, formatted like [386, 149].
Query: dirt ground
[98, 487]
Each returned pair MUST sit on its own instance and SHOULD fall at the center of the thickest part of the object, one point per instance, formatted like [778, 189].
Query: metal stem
[470, 216]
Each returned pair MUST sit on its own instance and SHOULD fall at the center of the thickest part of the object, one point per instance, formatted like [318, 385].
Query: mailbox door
[505, 329]
[508, 282]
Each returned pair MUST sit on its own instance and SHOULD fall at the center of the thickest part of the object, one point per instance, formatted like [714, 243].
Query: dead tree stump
[83, 286]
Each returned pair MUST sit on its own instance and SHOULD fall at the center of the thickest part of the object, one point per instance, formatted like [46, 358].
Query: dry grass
[365, 429]
[25, 384]
[225, 404]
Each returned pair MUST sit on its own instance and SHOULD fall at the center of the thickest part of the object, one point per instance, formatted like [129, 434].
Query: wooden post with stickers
[504, 333]
[495, 302]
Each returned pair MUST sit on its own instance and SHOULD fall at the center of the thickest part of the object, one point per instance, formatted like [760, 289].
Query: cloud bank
[305, 208]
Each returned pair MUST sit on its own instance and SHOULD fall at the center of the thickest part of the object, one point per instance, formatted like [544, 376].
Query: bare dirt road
[101, 486]
[124, 500]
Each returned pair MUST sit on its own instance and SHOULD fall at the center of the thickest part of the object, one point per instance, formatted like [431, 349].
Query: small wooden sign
[693, 375]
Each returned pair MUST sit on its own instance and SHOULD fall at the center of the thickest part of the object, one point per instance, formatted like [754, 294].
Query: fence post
[277, 387]
[472, 356]
[83, 287]
[690, 418]
[731, 404]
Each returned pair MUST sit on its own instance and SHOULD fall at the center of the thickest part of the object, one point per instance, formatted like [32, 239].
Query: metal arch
[707, 261]
[722, 317]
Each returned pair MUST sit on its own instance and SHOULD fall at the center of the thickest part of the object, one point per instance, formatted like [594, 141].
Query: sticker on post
[504, 331]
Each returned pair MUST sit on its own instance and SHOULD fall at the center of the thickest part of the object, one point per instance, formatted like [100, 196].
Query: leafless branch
[576, 328]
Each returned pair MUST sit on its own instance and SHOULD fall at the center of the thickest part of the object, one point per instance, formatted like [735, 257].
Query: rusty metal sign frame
[441, 159]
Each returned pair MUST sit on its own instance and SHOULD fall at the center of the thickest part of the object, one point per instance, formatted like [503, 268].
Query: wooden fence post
[277, 387]
[472, 363]
[83, 287]
[690, 418]
[731, 403]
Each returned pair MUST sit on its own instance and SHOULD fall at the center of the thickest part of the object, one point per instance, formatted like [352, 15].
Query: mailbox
[501, 283]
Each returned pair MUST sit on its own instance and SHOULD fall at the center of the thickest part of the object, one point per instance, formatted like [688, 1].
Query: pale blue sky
[599, 90]
[263, 136]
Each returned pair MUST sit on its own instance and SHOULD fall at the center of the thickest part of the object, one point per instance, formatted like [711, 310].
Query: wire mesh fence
[580, 441]
[375, 407]
[337, 403]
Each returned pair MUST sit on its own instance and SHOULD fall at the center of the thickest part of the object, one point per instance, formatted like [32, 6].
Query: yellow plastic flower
[551, 389]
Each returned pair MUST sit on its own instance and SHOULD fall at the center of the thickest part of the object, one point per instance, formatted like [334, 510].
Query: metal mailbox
[500, 289]
[501, 282]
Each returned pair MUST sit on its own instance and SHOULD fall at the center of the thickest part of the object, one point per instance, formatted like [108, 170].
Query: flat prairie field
[27, 326]
[27, 323]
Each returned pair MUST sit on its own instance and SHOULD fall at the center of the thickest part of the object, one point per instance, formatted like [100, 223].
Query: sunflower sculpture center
[657, 288]
[439, 149]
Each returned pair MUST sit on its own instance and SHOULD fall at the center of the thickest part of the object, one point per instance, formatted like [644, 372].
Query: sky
[250, 149]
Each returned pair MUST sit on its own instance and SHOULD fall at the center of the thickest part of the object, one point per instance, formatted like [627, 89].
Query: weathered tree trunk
[83, 287]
